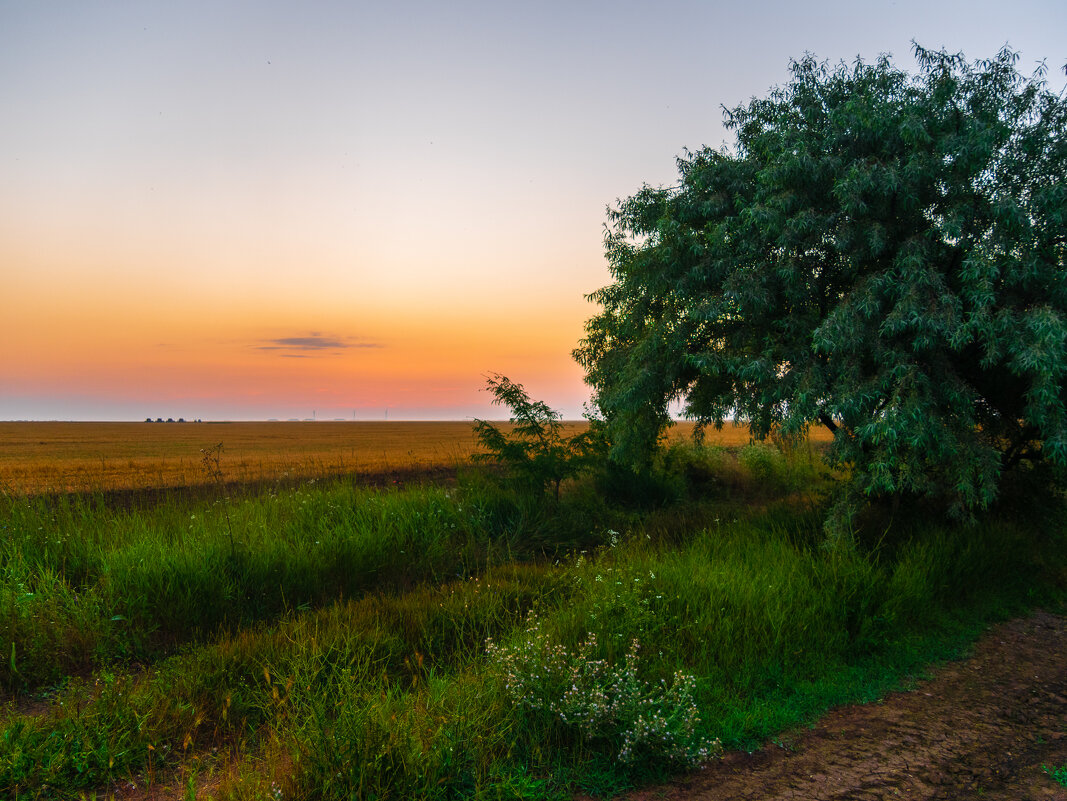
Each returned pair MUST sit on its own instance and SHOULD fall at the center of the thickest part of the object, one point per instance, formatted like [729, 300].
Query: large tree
[881, 253]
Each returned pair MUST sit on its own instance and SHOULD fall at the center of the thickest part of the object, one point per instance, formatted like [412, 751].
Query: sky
[255, 210]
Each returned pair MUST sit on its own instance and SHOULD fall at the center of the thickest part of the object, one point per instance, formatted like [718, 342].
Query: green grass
[229, 689]
[1058, 774]
[84, 587]
[336, 648]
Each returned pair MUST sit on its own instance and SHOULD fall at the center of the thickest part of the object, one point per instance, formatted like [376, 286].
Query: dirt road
[982, 728]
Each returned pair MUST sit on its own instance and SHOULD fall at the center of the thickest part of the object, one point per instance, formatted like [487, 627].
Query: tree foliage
[881, 253]
[535, 450]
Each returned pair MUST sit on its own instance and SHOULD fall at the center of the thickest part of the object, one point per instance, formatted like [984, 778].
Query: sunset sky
[256, 210]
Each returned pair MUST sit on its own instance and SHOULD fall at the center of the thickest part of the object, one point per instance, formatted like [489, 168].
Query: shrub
[536, 452]
[766, 464]
[601, 700]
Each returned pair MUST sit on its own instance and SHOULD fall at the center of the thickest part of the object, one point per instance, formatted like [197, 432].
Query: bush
[637, 489]
[535, 452]
[767, 466]
[601, 700]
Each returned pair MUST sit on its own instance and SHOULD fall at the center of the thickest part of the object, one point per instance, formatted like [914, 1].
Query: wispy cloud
[313, 343]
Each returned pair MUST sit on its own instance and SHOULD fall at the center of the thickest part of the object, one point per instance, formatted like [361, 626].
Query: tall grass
[356, 644]
[769, 629]
[85, 585]
[99, 729]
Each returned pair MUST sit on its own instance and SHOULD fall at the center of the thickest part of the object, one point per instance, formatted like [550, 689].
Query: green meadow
[475, 639]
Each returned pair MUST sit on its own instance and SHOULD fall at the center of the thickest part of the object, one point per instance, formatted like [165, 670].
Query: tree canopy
[881, 253]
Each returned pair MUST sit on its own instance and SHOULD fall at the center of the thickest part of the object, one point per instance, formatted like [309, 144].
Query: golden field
[79, 457]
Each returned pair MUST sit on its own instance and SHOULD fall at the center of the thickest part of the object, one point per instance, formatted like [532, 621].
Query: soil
[981, 728]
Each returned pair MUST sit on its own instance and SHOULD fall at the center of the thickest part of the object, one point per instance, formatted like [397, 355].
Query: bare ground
[981, 728]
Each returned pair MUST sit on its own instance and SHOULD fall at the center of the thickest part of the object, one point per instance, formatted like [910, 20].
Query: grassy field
[88, 457]
[335, 641]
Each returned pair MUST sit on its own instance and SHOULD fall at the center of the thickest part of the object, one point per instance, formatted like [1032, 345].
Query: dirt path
[981, 728]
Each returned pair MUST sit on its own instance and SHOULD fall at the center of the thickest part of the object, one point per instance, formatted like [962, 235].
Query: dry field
[79, 457]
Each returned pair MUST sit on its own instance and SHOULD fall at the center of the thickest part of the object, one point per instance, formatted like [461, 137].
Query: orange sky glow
[236, 210]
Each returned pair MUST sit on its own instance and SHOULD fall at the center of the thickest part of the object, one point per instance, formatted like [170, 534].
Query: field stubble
[59, 457]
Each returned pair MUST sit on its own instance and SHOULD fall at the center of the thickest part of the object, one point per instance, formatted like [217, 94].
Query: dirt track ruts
[981, 728]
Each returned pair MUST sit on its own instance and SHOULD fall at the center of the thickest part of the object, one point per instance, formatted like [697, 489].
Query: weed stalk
[211, 459]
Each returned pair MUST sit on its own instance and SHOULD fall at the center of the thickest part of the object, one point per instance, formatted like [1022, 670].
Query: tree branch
[826, 420]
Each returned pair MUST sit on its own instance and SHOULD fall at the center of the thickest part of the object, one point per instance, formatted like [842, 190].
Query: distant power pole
[386, 412]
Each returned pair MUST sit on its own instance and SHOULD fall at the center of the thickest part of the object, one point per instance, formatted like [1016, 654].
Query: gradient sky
[261, 210]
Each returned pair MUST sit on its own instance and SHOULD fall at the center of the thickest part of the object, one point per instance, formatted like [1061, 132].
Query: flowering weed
[601, 700]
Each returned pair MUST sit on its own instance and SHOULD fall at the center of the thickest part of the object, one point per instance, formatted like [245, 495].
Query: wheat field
[39, 457]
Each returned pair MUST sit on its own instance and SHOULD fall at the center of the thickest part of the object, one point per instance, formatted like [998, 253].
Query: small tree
[535, 450]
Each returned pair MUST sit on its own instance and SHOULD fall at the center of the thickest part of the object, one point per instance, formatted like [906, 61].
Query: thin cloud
[313, 343]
